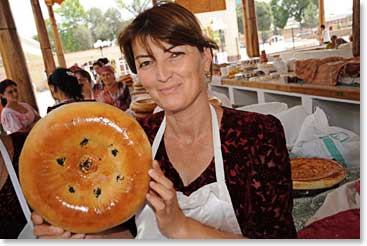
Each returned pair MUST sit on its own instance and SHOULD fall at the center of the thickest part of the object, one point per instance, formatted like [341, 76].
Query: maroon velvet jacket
[257, 171]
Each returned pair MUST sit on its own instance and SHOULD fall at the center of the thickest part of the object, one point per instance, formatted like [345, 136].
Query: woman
[16, 116]
[218, 172]
[113, 92]
[64, 88]
[85, 81]
[97, 65]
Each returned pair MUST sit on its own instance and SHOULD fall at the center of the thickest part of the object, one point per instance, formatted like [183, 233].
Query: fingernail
[57, 230]
[150, 172]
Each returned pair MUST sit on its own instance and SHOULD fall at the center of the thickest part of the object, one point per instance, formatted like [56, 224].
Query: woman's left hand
[162, 196]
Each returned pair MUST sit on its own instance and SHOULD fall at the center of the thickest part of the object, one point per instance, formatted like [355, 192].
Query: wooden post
[321, 13]
[48, 58]
[13, 57]
[58, 44]
[250, 28]
[356, 27]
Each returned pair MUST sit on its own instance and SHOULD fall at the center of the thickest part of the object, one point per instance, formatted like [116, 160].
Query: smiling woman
[217, 172]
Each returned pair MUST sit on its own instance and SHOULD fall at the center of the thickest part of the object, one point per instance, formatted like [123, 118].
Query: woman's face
[108, 77]
[97, 68]
[85, 84]
[10, 94]
[173, 75]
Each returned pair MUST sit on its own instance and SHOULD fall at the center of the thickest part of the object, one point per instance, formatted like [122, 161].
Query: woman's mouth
[168, 90]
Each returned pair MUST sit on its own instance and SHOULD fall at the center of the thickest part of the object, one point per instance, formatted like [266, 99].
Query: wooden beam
[48, 58]
[202, 6]
[321, 13]
[13, 56]
[58, 44]
[356, 27]
[250, 28]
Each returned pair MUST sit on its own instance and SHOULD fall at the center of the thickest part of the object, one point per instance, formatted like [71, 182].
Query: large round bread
[84, 167]
[316, 173]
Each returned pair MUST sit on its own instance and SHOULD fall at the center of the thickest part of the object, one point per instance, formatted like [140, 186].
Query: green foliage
[80, 29]
[72, 14]
[112, 18]
[296, 8]
[284, 9]
[135, 7]
[264, 36]
[84, 37]
[311, 16]
[280, 14]
[94, 18]
[79, 38]
[263, 16]
[239, 14]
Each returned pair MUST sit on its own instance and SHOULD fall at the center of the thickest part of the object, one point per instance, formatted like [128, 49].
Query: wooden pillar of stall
[321, 13]
[356, 27]
[58, 44]
[250, 28]
[13, 56]
[48, 58]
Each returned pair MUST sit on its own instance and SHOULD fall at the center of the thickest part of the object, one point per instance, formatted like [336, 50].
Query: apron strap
[158, 137]
[218, 158]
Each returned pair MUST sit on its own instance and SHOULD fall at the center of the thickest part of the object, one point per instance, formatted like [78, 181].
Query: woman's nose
[164, 72]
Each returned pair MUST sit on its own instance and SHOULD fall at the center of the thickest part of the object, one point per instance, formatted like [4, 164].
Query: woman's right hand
[44, 230]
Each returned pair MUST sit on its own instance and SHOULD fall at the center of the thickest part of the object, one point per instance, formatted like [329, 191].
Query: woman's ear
[207, 58]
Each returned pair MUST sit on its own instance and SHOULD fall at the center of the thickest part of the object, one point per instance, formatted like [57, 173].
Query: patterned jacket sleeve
[271, 184]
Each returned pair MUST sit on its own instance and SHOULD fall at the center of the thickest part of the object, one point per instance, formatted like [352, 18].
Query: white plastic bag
[318, 139]
[292, 120]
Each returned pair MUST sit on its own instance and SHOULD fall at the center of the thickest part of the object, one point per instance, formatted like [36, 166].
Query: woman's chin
[172, 107]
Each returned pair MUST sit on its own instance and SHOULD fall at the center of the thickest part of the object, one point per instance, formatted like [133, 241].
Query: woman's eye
[176, 54]
[144, 64]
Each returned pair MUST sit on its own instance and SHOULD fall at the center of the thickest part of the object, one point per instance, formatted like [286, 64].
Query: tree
[280, 14]
[311, 16]
[94, 18]
[72, 14]
[294, 8]
[263, 16]
[239, 14]
[135, 8]
[112, 18]
[297, 8]
[74, 32]
[83, 38]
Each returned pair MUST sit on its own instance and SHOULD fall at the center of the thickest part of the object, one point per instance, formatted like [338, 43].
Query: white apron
[211, 204]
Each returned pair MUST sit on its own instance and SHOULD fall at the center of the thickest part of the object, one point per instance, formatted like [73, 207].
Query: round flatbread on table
[316, 173]
[84, 167]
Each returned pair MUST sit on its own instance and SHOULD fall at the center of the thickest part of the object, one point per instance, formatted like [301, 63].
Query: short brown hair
[165, 21]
